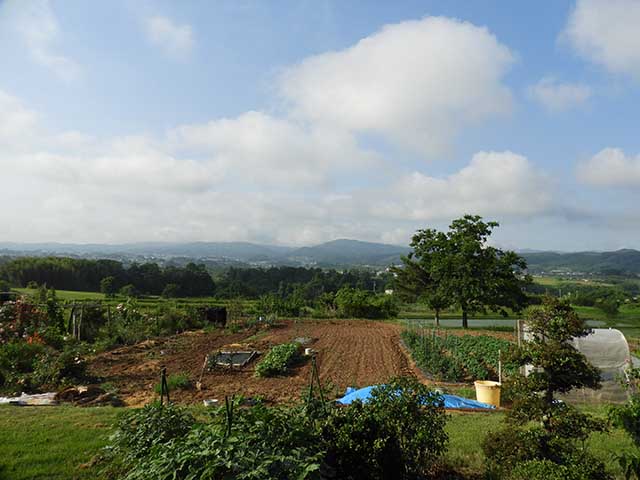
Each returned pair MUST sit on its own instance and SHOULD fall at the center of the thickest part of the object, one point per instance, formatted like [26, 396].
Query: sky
[299, 122]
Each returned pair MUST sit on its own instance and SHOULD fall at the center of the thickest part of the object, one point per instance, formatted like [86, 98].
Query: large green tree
[413, 283]
[459, 268]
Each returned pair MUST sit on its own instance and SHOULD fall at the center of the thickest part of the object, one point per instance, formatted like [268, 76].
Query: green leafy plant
[398, 433]
[259, 443]
[138, 431]
[458, 358]
[278, 360]
[176, 381]
[628, 417]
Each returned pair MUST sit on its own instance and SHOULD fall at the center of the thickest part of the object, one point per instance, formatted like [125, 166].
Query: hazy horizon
[296, 123]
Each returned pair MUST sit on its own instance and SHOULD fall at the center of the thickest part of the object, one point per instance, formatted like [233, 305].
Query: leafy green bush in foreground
[398, 434]
[278, 360]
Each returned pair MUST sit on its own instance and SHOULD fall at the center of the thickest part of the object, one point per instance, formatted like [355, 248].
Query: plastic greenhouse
[608, 350]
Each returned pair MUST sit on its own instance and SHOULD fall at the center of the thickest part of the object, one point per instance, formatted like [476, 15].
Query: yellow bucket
[488, 392]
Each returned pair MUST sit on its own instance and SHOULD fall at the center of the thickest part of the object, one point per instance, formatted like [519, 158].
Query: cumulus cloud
[611, 167]
[494, 183]
[16, 120]
[38, 25]
[606, 32]
[556, 96]
[299, 178]
[416, 83]
[270, 151]
[175, 40]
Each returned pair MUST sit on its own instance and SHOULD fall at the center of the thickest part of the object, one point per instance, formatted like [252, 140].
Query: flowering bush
[19, 319]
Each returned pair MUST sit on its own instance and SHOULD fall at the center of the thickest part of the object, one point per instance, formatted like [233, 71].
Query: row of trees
[310, 283]
[111, 277]
[88, 275]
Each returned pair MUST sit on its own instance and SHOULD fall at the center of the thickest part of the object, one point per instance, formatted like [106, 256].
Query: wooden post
[228, 405]
[81, 318]
[164, 388]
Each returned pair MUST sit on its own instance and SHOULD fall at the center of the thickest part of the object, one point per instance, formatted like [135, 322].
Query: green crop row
[458, 358]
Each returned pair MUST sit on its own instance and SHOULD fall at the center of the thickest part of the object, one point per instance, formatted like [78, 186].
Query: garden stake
[204, 365]
[229, 411]
[164, 387]
[315, 378]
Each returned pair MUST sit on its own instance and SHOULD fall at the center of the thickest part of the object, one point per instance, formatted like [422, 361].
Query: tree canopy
[459, 268]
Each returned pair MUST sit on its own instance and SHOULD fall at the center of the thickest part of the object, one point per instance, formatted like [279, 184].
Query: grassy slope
[52, 442]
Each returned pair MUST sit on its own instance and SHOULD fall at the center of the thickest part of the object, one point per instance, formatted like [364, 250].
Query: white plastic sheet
[35, 399]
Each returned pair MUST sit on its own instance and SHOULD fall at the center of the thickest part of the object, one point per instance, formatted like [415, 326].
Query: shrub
[34, 366]
[53, 368]
[399, 433]
[141, 429]
[628, 417]
[17, 361]
[577, 469]
[177, 381]
[557, 367]
[262, 443]
[171, 290]
[356, 303]
[278, 360]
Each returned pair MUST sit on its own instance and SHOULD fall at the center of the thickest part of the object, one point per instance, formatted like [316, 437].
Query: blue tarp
[450, 401]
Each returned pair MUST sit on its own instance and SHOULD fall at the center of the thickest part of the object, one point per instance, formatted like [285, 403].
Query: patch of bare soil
[349, 353]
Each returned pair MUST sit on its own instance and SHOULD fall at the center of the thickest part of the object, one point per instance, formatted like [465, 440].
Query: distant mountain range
[336, 253]
[625, 261]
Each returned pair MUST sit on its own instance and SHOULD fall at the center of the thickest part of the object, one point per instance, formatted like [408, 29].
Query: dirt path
[350, 353]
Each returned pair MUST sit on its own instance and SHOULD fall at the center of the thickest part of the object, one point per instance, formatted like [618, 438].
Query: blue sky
[299, 122]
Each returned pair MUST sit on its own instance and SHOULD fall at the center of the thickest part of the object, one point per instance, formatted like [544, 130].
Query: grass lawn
[66, 294]
[51, 442]
[466, 431]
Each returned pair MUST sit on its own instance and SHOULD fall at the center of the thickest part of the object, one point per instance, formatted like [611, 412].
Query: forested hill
[624, 261]
[348, 252]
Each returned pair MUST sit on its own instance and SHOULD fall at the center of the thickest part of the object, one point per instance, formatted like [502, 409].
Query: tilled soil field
[349, 353]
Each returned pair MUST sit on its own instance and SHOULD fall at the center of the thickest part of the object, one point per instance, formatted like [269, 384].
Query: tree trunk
[465, 321]
[437, 317]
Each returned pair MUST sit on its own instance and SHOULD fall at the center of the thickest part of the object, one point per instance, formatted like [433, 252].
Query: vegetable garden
[453, 358]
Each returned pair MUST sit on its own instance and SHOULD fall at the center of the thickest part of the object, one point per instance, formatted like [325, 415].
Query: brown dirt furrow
[350, 353]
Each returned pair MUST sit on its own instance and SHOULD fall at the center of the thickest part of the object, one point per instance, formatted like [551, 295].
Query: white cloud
[300, 178]
[606, 32]
[611, 167]
[416, 83]
[494, 183]
[556, 96]
[16, 121]
[39, 28]
[175, 40]
[268, 151]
